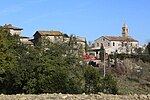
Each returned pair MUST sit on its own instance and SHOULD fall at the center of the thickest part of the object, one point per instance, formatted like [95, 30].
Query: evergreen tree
[148, 48]
[102, 50]
[8, 62]
[92, 80]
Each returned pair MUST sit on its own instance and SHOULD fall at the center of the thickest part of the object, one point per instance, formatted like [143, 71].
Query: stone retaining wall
[99, 96]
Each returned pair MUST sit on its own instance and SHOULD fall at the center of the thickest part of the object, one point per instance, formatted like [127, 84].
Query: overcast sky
[86, 18]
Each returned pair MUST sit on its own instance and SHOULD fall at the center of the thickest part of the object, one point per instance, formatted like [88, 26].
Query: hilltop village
[120, 44]
[92, 54]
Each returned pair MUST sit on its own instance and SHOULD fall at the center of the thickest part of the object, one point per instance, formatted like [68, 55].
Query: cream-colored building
[13, 30]
[53, 36]
[79, 45]
[26, 40]
[119, 44]
[17, 31]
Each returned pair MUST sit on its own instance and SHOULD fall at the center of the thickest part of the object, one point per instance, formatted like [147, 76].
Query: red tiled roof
[119, 38]
[50, 33]
[9, 26]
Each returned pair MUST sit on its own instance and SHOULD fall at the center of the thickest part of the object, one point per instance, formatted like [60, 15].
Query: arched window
[113, 43]
[108, 44]
[97, 44]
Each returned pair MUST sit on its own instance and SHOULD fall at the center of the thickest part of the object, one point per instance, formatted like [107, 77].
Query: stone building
[26, 40]
[17, 31]
[119, 44]
[79, 44]
[13, 30]
[53, 36]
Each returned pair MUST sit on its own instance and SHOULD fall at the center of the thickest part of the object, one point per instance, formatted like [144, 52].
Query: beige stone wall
[99, 96]
[13, 32]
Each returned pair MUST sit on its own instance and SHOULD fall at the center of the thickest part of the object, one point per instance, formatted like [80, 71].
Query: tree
[109, 84]
[102, 51]
[92, 80]
[86, 46]
[48, 68]
[8, 62]
[148, 48]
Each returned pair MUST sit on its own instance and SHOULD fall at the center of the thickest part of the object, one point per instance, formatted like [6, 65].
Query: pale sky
[86, 18]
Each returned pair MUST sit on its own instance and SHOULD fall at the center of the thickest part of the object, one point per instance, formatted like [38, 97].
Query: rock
[148, 96]
[100, 93]
[99, 96]
[83, 93]
[22, 98]
[64, 97]
[143, 97]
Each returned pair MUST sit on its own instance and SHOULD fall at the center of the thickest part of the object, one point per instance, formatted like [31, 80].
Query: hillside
[137, 78]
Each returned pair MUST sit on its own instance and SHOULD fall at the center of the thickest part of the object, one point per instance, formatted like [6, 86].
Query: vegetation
[101, 54]
[46, 68]
[148, 48]
[55, 68]
[132, 73]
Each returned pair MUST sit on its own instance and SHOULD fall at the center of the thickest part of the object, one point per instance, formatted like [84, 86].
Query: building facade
[12, 29]
[53, 36]
[17, 31]
[119, 44]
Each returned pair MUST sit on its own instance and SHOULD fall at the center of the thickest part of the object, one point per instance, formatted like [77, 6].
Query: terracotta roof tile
[50, 33]
[9, 26]
[119, 38]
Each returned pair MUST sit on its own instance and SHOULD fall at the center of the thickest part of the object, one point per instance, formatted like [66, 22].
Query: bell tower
[125, 30]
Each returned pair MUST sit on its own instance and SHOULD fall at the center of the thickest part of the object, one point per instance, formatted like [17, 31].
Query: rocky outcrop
[99, 96]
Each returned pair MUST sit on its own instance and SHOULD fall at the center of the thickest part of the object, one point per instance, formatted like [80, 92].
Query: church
[120, 44]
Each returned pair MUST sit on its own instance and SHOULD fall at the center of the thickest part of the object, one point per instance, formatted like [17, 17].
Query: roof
[49, 33]
[9, 26]
[120, 38]
[125, 25]
[27, 42]
[23, 37]
[80, 39]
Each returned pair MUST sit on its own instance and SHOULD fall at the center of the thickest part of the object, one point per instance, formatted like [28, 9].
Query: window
[136, 45]
[113, 43]
[131, 44]
[93, 45]
[97, 44]
[108, 44]
[103, 39]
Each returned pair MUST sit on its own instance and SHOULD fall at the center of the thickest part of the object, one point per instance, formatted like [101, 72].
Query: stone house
[119, 44]
[53, 36]
[79, 45]
[17, 31]
[26, 40]
[13, 30]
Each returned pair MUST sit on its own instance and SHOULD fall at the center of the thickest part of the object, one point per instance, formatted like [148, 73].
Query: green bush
[109, 84]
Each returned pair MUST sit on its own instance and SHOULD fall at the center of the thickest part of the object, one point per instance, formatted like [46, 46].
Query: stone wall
[99, 96]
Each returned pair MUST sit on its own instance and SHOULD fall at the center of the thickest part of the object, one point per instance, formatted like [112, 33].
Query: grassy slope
[134, 84]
